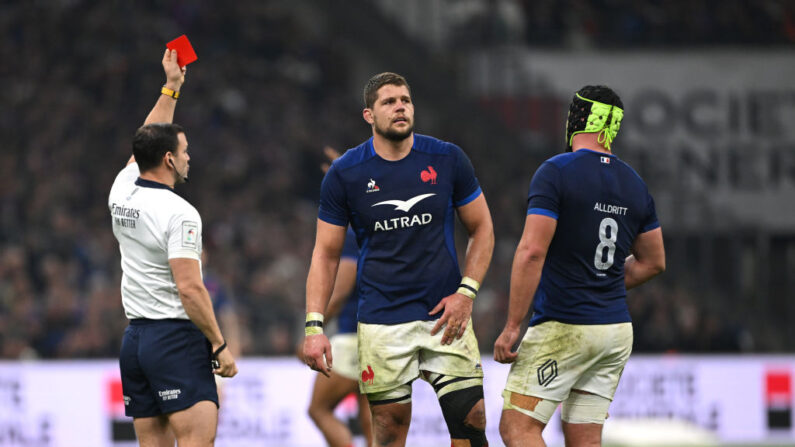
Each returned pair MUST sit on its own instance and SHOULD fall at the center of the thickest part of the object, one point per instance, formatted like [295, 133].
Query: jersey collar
[604, 154]
[152, 184]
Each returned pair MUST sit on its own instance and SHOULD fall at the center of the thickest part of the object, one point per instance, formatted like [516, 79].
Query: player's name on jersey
[403, 222]
[123, 216]
[610, 209]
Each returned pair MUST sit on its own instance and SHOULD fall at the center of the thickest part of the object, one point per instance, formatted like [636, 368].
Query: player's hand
[175, 75]
[317, 353]
[330, 153]
[226, 364]
[457, 311]
[504, 343]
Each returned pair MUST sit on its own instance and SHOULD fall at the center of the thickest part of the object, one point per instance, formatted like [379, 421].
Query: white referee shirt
[152, 224]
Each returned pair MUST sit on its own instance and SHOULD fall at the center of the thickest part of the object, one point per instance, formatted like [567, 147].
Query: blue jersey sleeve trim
[651, 226]
[325, 217]
[469, 198]
[543, 212]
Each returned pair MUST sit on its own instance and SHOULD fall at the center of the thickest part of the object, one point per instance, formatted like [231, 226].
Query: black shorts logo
[547, 372]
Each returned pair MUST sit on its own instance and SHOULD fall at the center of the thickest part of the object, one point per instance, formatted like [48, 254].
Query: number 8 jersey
[601, 205]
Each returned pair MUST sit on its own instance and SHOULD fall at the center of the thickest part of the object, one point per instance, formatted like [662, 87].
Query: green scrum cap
[594, 109]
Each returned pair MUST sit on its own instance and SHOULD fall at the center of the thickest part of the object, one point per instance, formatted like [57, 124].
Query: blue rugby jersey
[403, 215]
[346, 321]
[601, 205]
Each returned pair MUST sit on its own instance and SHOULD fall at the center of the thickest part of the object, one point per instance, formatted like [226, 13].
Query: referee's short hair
[152, 141]
[370, 93]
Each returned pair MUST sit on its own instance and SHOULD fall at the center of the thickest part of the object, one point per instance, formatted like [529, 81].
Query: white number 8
[606, 242]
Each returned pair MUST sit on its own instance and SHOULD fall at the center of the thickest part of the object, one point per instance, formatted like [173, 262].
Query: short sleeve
[465, 187]
[544, 195]
[185, 235]
[350, 249]
[333, 204]
[651, 221]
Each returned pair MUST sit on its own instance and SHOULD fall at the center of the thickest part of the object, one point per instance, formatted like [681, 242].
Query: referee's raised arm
[163, 111]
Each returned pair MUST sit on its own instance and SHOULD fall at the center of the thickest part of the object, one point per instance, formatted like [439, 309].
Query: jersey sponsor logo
[610, 209]
[190, 234]
[169, 394]
[396, 223]
[123, 216]
[429, 175]
[605, 160]
[547, 372]
[368, 375]
[372, 187]
[405, 205]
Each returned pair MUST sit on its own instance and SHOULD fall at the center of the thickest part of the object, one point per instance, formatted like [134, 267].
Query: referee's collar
[152, 184]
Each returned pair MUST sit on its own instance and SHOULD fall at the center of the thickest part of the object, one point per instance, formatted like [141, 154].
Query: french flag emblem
[605, 160]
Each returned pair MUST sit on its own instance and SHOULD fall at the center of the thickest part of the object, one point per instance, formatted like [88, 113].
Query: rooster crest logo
[372, 187]
[368, 375]
[429, 175]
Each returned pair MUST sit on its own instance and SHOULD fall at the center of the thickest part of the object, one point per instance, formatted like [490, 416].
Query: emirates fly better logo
[403, 221]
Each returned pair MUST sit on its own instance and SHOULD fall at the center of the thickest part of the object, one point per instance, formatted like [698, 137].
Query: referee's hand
[226, 364]
[317, 353]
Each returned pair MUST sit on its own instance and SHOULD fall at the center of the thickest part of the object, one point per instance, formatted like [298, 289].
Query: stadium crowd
[75, 87]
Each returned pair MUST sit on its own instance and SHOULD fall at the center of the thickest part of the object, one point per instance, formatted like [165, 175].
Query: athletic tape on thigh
[443, 384]
[399, 395]
[542, 411]
[585, 409]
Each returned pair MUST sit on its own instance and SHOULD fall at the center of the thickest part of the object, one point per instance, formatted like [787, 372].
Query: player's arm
[196, 301]
[457, 307]
[477, 220]
[647, 259]
[319, 284]
[343, 286]
[528, 262]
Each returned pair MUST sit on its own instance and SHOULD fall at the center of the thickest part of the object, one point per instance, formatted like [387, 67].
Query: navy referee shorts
[165, 367]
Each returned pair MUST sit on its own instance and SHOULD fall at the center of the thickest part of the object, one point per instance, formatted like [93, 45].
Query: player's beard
[394, 135]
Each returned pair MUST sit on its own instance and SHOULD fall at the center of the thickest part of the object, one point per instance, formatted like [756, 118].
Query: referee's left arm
[196, 301]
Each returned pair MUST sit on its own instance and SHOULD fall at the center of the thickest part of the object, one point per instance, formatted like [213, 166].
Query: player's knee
[508, 432]
[389, 425]
[315, 412]
[465, 415]
[477, 416]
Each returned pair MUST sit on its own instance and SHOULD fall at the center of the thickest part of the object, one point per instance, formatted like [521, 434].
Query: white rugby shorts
[555, 358]
[393, 355]
[345, 355]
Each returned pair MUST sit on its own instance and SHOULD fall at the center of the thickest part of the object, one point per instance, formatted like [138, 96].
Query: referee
[173, 345]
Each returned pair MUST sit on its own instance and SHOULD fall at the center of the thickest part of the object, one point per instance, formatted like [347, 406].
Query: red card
[185, 53]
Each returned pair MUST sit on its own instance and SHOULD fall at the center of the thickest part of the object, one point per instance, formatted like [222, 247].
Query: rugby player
[591, 233]
[400, 191]
[328, 392]
[173, 344]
